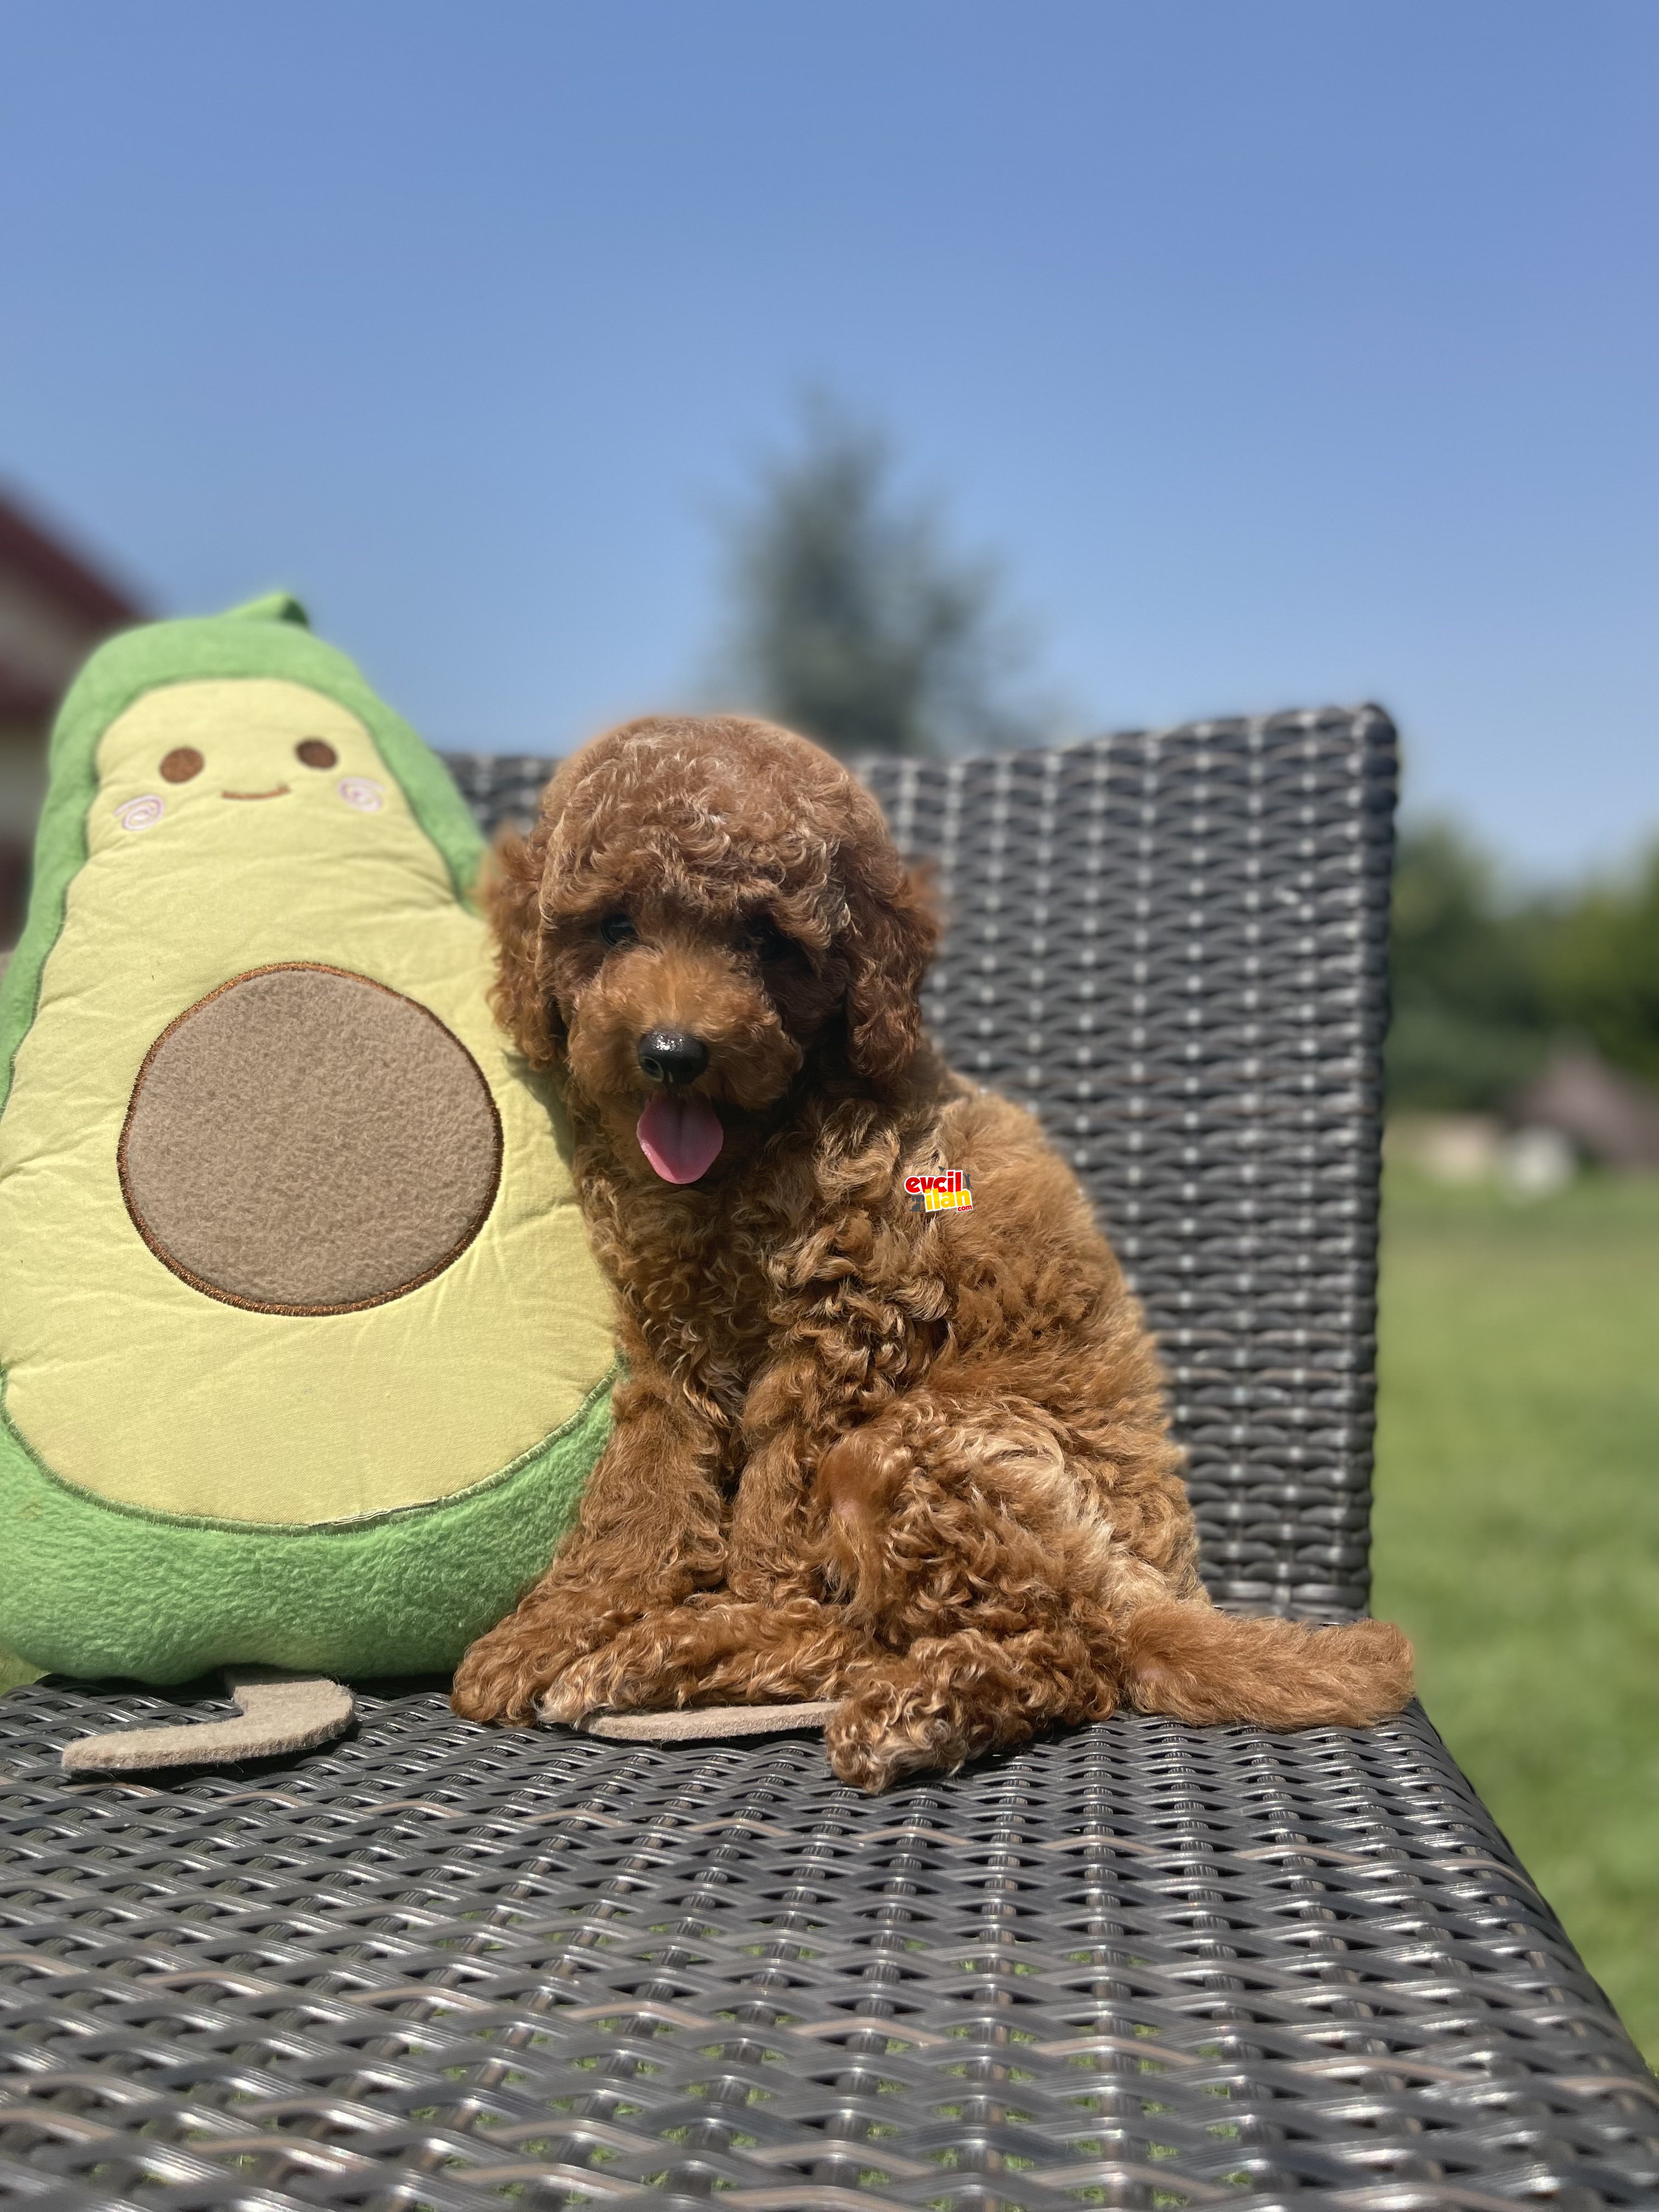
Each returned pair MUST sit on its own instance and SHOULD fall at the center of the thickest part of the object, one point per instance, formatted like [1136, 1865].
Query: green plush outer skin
[95, 1589]
[91, 1587]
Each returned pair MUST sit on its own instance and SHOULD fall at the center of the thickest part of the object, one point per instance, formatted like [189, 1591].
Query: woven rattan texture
[1171, 945]
[444, 1967]
[504, 790]
[435, 1966]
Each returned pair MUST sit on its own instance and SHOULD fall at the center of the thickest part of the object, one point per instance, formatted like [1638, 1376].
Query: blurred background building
[55, 605]
[1520, 1014]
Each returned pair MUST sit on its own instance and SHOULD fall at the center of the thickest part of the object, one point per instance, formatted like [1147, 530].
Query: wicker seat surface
[1135, 1965]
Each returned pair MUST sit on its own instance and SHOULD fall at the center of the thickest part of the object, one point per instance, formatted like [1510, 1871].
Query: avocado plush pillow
[303, 1356]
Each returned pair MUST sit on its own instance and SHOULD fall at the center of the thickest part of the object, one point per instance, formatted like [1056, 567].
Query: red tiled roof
[23, 698]
[27, 551]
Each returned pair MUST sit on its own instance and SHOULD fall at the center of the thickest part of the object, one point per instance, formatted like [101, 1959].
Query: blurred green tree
[853, 621]
[1469, 1015]
[1599, 969]
[1484, 983]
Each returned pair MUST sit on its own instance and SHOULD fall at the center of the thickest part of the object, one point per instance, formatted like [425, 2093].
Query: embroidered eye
[617, 929]
[316, 752]
[181, 764]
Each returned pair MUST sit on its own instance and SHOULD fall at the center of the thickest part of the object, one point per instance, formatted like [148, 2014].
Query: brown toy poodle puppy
[919, 1463]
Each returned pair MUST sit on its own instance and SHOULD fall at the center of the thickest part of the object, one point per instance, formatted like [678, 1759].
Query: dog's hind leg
[957, 1537]
[715, 1650]
[949, 1699]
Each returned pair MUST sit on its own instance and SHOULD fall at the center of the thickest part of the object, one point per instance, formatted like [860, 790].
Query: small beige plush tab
[693, 1723]
[278, 1712]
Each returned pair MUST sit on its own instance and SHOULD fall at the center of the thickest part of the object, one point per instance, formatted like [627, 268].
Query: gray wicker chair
[1139, 1965]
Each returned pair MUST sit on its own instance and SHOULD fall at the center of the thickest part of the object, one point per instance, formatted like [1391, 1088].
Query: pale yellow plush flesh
[122, 1378]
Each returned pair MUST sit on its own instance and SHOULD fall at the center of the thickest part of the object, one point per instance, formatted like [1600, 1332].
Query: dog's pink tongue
[680, 1134]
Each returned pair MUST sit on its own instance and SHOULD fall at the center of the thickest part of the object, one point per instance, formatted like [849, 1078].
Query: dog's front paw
[496, 1681]
[625, 1675]
[508, 1674]
[566, 1697]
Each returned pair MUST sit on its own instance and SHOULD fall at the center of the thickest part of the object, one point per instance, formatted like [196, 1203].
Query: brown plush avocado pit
[304, 1140]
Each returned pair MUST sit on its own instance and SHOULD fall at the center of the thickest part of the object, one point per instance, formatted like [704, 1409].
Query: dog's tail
[1196, 1664]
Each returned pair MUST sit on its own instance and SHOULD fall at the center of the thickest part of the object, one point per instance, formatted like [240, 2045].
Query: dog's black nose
[672, 1056]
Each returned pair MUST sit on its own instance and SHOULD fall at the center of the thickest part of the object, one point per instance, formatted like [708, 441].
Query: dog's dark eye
[768, 941]
[617, 929]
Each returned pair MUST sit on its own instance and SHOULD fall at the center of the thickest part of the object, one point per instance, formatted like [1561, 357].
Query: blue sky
[1281, 352]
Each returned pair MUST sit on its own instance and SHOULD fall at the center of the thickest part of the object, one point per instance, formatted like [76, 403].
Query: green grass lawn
[1516, 1532]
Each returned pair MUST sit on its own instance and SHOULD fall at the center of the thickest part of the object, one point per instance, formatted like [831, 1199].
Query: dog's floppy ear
[893, 928]
[523, 997]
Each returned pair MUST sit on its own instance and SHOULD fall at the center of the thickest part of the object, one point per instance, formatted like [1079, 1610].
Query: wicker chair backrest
[1172, 945]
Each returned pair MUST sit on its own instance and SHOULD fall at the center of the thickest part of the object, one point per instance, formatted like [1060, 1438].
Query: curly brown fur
[918, 1463]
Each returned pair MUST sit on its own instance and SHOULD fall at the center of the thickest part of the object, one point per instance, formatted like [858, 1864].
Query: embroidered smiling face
[200, 753]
